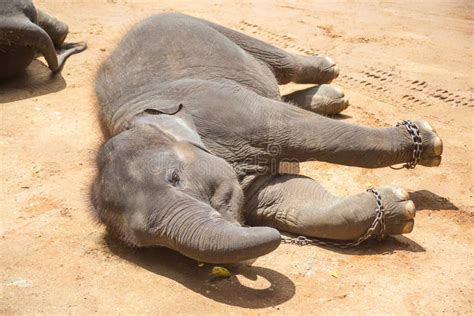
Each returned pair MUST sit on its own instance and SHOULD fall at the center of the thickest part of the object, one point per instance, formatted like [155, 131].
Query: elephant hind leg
[324, 99]
[287, 67]
[299, 205]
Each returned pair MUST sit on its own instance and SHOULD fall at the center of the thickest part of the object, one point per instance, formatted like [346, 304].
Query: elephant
[26, 31]
[195, 131]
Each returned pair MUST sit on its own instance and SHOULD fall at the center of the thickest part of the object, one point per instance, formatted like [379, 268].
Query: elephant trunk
[203, 234]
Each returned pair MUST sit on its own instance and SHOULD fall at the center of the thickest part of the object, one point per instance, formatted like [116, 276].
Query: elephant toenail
[402, 194]
[408, 228]
[410, 208]
[438, 146]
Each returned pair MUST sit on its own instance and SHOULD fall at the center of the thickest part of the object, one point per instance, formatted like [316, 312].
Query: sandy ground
[398, 60]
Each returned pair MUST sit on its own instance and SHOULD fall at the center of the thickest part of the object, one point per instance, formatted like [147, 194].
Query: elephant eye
[174, 178]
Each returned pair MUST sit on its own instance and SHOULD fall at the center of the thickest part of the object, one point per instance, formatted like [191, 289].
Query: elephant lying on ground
[195, 127]
[25, 31]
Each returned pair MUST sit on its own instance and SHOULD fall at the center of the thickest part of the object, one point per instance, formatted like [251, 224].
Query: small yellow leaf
[334, 274]
[220, 272]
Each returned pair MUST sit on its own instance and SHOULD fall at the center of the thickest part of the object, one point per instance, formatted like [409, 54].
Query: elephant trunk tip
[228, 243]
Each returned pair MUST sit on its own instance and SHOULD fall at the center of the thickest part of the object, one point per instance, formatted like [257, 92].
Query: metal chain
[417, 144]
[379, 221]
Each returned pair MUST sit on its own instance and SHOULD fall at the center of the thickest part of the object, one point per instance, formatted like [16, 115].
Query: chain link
[417, 144]
[379, 221]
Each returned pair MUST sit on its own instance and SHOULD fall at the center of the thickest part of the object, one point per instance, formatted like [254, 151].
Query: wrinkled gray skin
[26, 31]
[195, 129]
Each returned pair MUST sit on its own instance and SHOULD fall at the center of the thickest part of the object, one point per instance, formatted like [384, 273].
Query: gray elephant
[24, 32]
[195, 131]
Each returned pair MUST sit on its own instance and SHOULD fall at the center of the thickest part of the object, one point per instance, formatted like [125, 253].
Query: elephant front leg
[304, 136]
[299, 205]
[248, 127]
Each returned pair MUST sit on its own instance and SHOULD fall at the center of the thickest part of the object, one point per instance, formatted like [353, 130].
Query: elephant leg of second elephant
[58, 31]
[69, 49]
[300, 205]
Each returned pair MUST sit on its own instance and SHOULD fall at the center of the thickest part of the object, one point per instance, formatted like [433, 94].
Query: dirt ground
[398, 60]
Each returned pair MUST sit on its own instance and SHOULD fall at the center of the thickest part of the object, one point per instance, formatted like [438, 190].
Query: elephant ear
[163, 115]
[169, 109]
[145, 112]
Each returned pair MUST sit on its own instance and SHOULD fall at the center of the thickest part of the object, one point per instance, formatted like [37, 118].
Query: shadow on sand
[35, 81]
[388, 245]
[172, 265]
[340, 116]
[427, 200]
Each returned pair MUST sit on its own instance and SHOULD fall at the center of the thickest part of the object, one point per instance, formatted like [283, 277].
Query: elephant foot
[324, 99]
[359, 213]
[316, 69]
[68, 49]
[432, 145]
[423, 145]
[399, 211]
[328, 100]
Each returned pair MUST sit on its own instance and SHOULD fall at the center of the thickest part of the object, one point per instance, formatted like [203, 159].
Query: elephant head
[157, 185]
